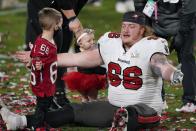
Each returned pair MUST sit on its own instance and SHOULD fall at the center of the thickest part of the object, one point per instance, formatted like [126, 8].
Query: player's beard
[127, 42]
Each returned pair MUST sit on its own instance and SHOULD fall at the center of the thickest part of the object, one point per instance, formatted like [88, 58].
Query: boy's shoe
[188, 107]
[54, 105]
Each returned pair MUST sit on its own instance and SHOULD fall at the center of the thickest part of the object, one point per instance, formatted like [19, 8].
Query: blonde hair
[148, 31]
[84, 32]
[48, 17]
[88, 31]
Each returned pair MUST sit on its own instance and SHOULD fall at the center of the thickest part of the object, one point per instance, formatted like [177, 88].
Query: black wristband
[72, 18]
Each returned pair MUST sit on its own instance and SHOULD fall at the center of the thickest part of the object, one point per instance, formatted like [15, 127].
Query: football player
[136, 65]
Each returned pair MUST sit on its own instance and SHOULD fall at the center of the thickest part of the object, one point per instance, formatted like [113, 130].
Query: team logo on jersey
[123, 61]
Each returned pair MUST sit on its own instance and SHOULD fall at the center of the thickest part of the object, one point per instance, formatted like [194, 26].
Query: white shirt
[131, 80]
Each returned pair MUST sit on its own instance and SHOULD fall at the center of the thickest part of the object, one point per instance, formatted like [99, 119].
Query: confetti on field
[23, 105]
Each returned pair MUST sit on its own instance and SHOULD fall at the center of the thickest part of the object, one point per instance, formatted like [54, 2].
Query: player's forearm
[161, 67]
[65, 60]
[84, 59]
[69, 13]
[74, 23]
[167, 71]
[89, 58]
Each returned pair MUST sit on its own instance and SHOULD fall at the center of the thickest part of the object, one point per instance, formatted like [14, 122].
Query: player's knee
[142, 116]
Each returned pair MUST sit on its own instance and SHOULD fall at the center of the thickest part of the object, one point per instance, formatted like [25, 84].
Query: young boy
[87, 81]
[44, 51]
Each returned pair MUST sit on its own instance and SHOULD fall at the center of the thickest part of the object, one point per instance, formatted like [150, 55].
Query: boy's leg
[42, 107]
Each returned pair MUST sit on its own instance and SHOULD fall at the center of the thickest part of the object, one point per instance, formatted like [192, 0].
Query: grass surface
[102, 19]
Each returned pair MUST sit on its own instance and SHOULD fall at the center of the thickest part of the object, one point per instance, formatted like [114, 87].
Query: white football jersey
[129, 73]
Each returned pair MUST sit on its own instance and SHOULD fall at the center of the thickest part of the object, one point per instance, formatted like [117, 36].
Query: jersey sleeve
[158, 46]
[38, 50]
[102, 43]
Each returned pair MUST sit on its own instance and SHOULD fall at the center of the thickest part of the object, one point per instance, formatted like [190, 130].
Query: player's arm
[86, 59]
[74, 23]
[67, 7]
[161, 67]
[23, 56]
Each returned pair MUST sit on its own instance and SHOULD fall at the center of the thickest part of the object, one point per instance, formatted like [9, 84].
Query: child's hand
[38, 65]
[28, 65]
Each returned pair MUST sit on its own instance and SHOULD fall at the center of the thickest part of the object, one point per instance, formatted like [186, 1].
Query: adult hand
[75, 26]
[23, 56]
[177, 77]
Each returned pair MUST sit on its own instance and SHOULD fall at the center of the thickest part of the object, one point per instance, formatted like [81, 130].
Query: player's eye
[131, 26]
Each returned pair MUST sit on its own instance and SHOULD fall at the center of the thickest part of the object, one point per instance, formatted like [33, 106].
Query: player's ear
[142, 30]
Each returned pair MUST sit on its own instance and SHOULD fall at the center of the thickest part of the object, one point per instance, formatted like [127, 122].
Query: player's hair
[139, 18]
[148, 31]
[48, 17]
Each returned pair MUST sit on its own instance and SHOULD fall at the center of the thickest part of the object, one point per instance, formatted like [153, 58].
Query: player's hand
[75, 26]
[177, 77]
[23, 56]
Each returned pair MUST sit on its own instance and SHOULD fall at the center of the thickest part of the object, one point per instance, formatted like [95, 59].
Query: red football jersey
[43, 81]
